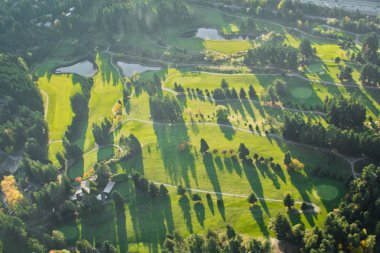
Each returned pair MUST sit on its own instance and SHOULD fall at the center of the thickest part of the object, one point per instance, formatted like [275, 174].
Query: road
[364, 6]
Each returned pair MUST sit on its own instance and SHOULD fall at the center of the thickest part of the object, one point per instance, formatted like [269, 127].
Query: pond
[84, 68]
[213, 34]
[129, 68]
[208, 34]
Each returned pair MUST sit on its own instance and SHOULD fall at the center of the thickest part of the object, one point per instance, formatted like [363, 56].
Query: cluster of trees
[370, 73]
[144, 185]
[345, 113]
[276, 91]
[214, 241]
[52, 194]
[350, 228]
[116, 16]
[22, 124]
[102, 132]
[345, 141]
[132, 144]
[13, 231]
[38, 172]
[165, 109]
[272, 55]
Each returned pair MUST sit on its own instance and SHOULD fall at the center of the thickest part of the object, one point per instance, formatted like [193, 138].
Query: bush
[306, 206]
[121, 177]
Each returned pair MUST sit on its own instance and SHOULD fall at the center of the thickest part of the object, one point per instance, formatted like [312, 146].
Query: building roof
[109, 187]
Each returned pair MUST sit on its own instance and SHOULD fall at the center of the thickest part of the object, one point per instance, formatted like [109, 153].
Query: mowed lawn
[59, 89]
[106, 91]
[299, 92]
[146, 221]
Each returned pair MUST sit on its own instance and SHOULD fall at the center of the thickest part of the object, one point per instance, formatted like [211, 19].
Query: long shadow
[227, 129]
[173, 142]
[263, 168]
[295, 217]
[208, 162]
[236, 166]
[228, 163]
[279, 171]
[255, 183]
[249, 109]
[221, 208]
[185, 206]
[218, 162]
[236, 106]
[121, 229]
[257, 214]
[200, 213]
[210, 204]
[168, 213]
[148, 221]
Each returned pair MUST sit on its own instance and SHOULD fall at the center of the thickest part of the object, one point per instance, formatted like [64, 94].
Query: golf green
[302, 93]
[327, 192]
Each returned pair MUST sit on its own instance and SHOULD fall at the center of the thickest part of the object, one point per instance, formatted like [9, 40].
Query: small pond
[84, 68]
[213, 34]
[130, 68]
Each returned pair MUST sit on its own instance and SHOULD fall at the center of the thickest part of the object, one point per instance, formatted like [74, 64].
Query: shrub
[121, 177]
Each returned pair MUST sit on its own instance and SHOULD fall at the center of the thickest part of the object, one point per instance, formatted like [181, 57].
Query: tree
[255, 245]
[153, 190]
[103, 173]
[305, 48]
[107, 247]
[242, 94]
[221, 113]
[370, 47]
[196, 197]
[181, 190]
[243, 151]
[337, 60]
[252, 93]
[163, 191]
[252, 199]
[281, 226]
[288, 158]
[83, 246]
[68, 210]
[204, 146]
[196, 243]
[224, 84]
[288, 201]
[230, 231]
[157, 80]
[345, 74]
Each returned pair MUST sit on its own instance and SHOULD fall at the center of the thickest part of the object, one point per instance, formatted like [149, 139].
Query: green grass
[59, 89]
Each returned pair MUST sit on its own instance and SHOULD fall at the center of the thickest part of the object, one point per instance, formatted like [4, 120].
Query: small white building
[109, 187]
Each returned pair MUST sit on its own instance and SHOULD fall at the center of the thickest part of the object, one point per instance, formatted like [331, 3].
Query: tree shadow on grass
[227, 129]
[280, 173]
[257, 214]
[173, 142]
[210, 204]
[121, 229]
[200, 212]
[228, 163]
[218, 162]
[255, 183]
[211, 172]
[236, 165]
[148, 220]
[249, 109]
[221, 208]
[295, 216]
[185, 206]
[168, 213]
